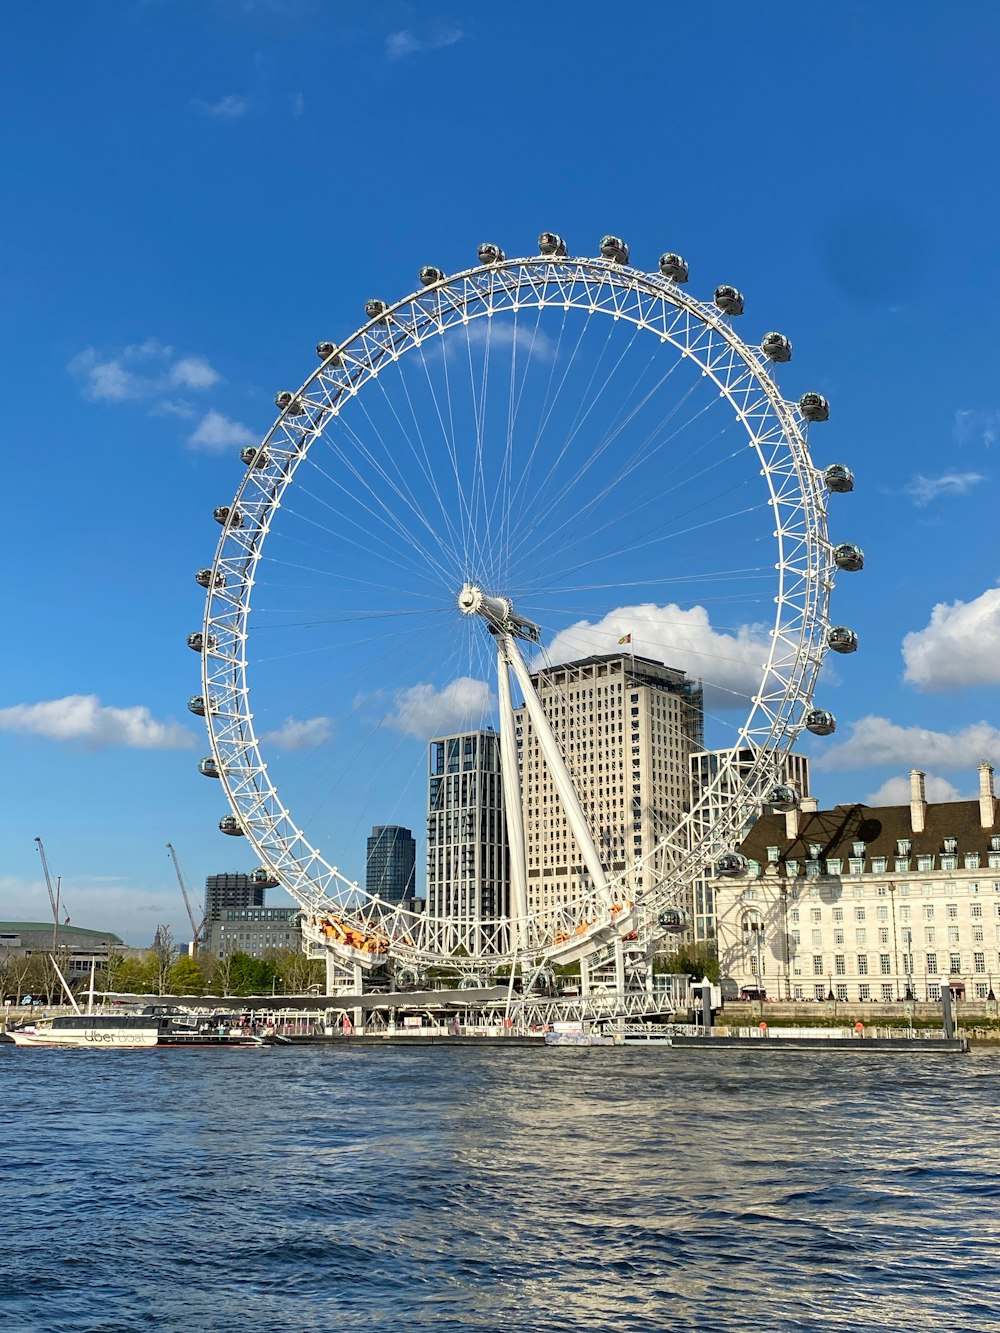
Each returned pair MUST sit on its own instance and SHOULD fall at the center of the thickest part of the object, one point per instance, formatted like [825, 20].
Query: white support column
[513, 811]
[560, 773]
[619, 965]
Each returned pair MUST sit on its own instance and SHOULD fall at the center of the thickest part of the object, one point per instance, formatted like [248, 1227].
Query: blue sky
[197, 192]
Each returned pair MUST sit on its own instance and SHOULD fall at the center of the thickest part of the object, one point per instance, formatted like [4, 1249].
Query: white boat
[577, 1038]
[89, 1030]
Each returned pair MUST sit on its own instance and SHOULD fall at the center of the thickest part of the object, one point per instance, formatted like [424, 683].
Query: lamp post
[757, 927]
[895, 945]
[908, 963]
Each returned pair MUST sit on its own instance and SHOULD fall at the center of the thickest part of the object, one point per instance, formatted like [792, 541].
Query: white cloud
[977, 426]
[405, 43]
[299, 735]
[923, 490]
[84, 720]
[230, 107]
[193, 372]
[896, 791]
[215, 432]
[959, 647]
[140, 371]
[875, 741]
[423, 711]
[99, 903]
[731, 665]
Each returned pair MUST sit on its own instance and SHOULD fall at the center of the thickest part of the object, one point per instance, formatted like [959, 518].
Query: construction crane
[196, 929]
[53, 893]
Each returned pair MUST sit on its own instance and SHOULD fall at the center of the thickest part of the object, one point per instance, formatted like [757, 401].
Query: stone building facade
[865, 903]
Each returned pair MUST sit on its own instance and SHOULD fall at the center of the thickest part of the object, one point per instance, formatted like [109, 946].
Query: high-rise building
[626, 726]
[706, 766]
[390, 867]
[468, 872]
[235, 891]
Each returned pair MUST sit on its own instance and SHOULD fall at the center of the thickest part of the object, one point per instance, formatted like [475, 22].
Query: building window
[857, 865]
[954, 964]
[902, 865]
[949, 862]
[842, 994]
[864, 992]
[817, 964]
[951, 844]
[819, 993]
[932, 966]
[859, 914]
[838, 937]
[928, 911]
[833, 866]
[773, 854]
[861, 936]
[925, 862]
[858, 849]
[838, 914]
[952, 934]
[885, 964]
[816, 914]
[971, 862]
[902, 846]
[887, 994]
[882, 913]
[839, 965]
[952, 910]
[791, 868]
[976, 910]
[862, 964]
[879, 864]
[979, 962]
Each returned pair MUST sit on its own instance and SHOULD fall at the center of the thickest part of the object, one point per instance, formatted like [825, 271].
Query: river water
[492, 1189]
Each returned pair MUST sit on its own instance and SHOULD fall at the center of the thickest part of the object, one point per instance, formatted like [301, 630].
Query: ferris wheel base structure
[610, 918]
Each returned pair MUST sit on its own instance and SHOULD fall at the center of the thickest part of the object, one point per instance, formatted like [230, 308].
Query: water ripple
[480, 1189]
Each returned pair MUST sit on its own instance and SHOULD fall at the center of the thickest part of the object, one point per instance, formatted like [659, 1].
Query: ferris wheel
[529, 462]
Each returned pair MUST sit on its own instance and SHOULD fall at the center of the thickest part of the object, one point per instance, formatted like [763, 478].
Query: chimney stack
[918, 801]
[987, 801]
[808, 805]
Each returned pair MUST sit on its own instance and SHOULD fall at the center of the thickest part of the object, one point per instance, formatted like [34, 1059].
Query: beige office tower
[705, 768]
[627, 727]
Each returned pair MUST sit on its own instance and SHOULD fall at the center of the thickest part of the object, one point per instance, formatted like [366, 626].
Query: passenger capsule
[429, 275]
[731, 864]
[729, 300]
[551, 244]
[849, 557]
[814, 407]
[264, 879]
[231, 825]
[490, 254]
[204, 579]
[614, 248]
[286, 401]
[329, 352]
[673, 267]
[226, 516]
[670, 920]
[782, 798]
[842, 640]
[207, 767]
[820, 722]
[196, 642]
[254, 457]
[196, 705]
[776, 347]
[374, 308]
[839, 478]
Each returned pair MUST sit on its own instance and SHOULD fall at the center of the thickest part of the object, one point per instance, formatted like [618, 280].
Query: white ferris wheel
[517, 465]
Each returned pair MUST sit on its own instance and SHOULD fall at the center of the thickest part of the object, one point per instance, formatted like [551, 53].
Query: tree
[695, 960]
[163, 952]
[185, 978]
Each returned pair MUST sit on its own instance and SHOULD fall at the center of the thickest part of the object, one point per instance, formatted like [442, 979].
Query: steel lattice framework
[804, 570]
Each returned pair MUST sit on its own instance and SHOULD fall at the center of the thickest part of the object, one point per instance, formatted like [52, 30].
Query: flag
[625, 638]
